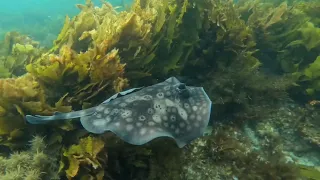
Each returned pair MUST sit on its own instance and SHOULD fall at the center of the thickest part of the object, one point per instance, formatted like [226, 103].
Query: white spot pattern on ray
[140, 115]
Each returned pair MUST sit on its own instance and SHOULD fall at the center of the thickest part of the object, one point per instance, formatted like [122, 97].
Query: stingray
[139, 115]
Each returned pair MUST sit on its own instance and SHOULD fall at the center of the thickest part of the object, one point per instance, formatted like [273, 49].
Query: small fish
[139, 115]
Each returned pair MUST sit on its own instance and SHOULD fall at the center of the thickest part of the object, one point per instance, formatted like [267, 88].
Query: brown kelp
[251, 57]
[16, 51]
[288, 39]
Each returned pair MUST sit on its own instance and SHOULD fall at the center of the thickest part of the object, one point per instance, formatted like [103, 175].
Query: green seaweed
[16, 52]
[89, 152]
[310, 172]
[35, 163]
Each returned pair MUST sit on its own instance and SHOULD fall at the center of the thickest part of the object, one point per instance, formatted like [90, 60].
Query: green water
[40, 19]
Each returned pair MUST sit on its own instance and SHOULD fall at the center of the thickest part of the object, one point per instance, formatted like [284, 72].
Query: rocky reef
[256, 59]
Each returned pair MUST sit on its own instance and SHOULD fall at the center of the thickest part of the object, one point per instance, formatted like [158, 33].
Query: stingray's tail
[38, 119]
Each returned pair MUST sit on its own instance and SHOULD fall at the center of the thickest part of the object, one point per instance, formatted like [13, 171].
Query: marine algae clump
[288, 37]
[33, 164]
[89, 153]
[227, 48]
[13, 94]
[76, 63]
[16, 51]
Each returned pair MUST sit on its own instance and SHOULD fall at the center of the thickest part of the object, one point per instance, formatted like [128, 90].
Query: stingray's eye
[185, 93]
[183, 90]
[182, 86]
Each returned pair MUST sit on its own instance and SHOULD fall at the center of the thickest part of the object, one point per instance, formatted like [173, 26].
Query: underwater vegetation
[34, 164]
[290, 36]
[257, 60]
[89, 152]
[16, 52]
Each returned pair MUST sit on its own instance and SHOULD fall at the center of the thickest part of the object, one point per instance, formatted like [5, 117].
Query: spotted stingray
[139, 115]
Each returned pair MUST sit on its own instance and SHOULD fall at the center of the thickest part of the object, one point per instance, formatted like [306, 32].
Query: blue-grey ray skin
[38, 119]
[139, 115]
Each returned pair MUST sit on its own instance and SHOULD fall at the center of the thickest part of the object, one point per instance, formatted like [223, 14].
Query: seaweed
[34, 163]
[16, 52]
[250, 57]
[89, 152]
[290, 44]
